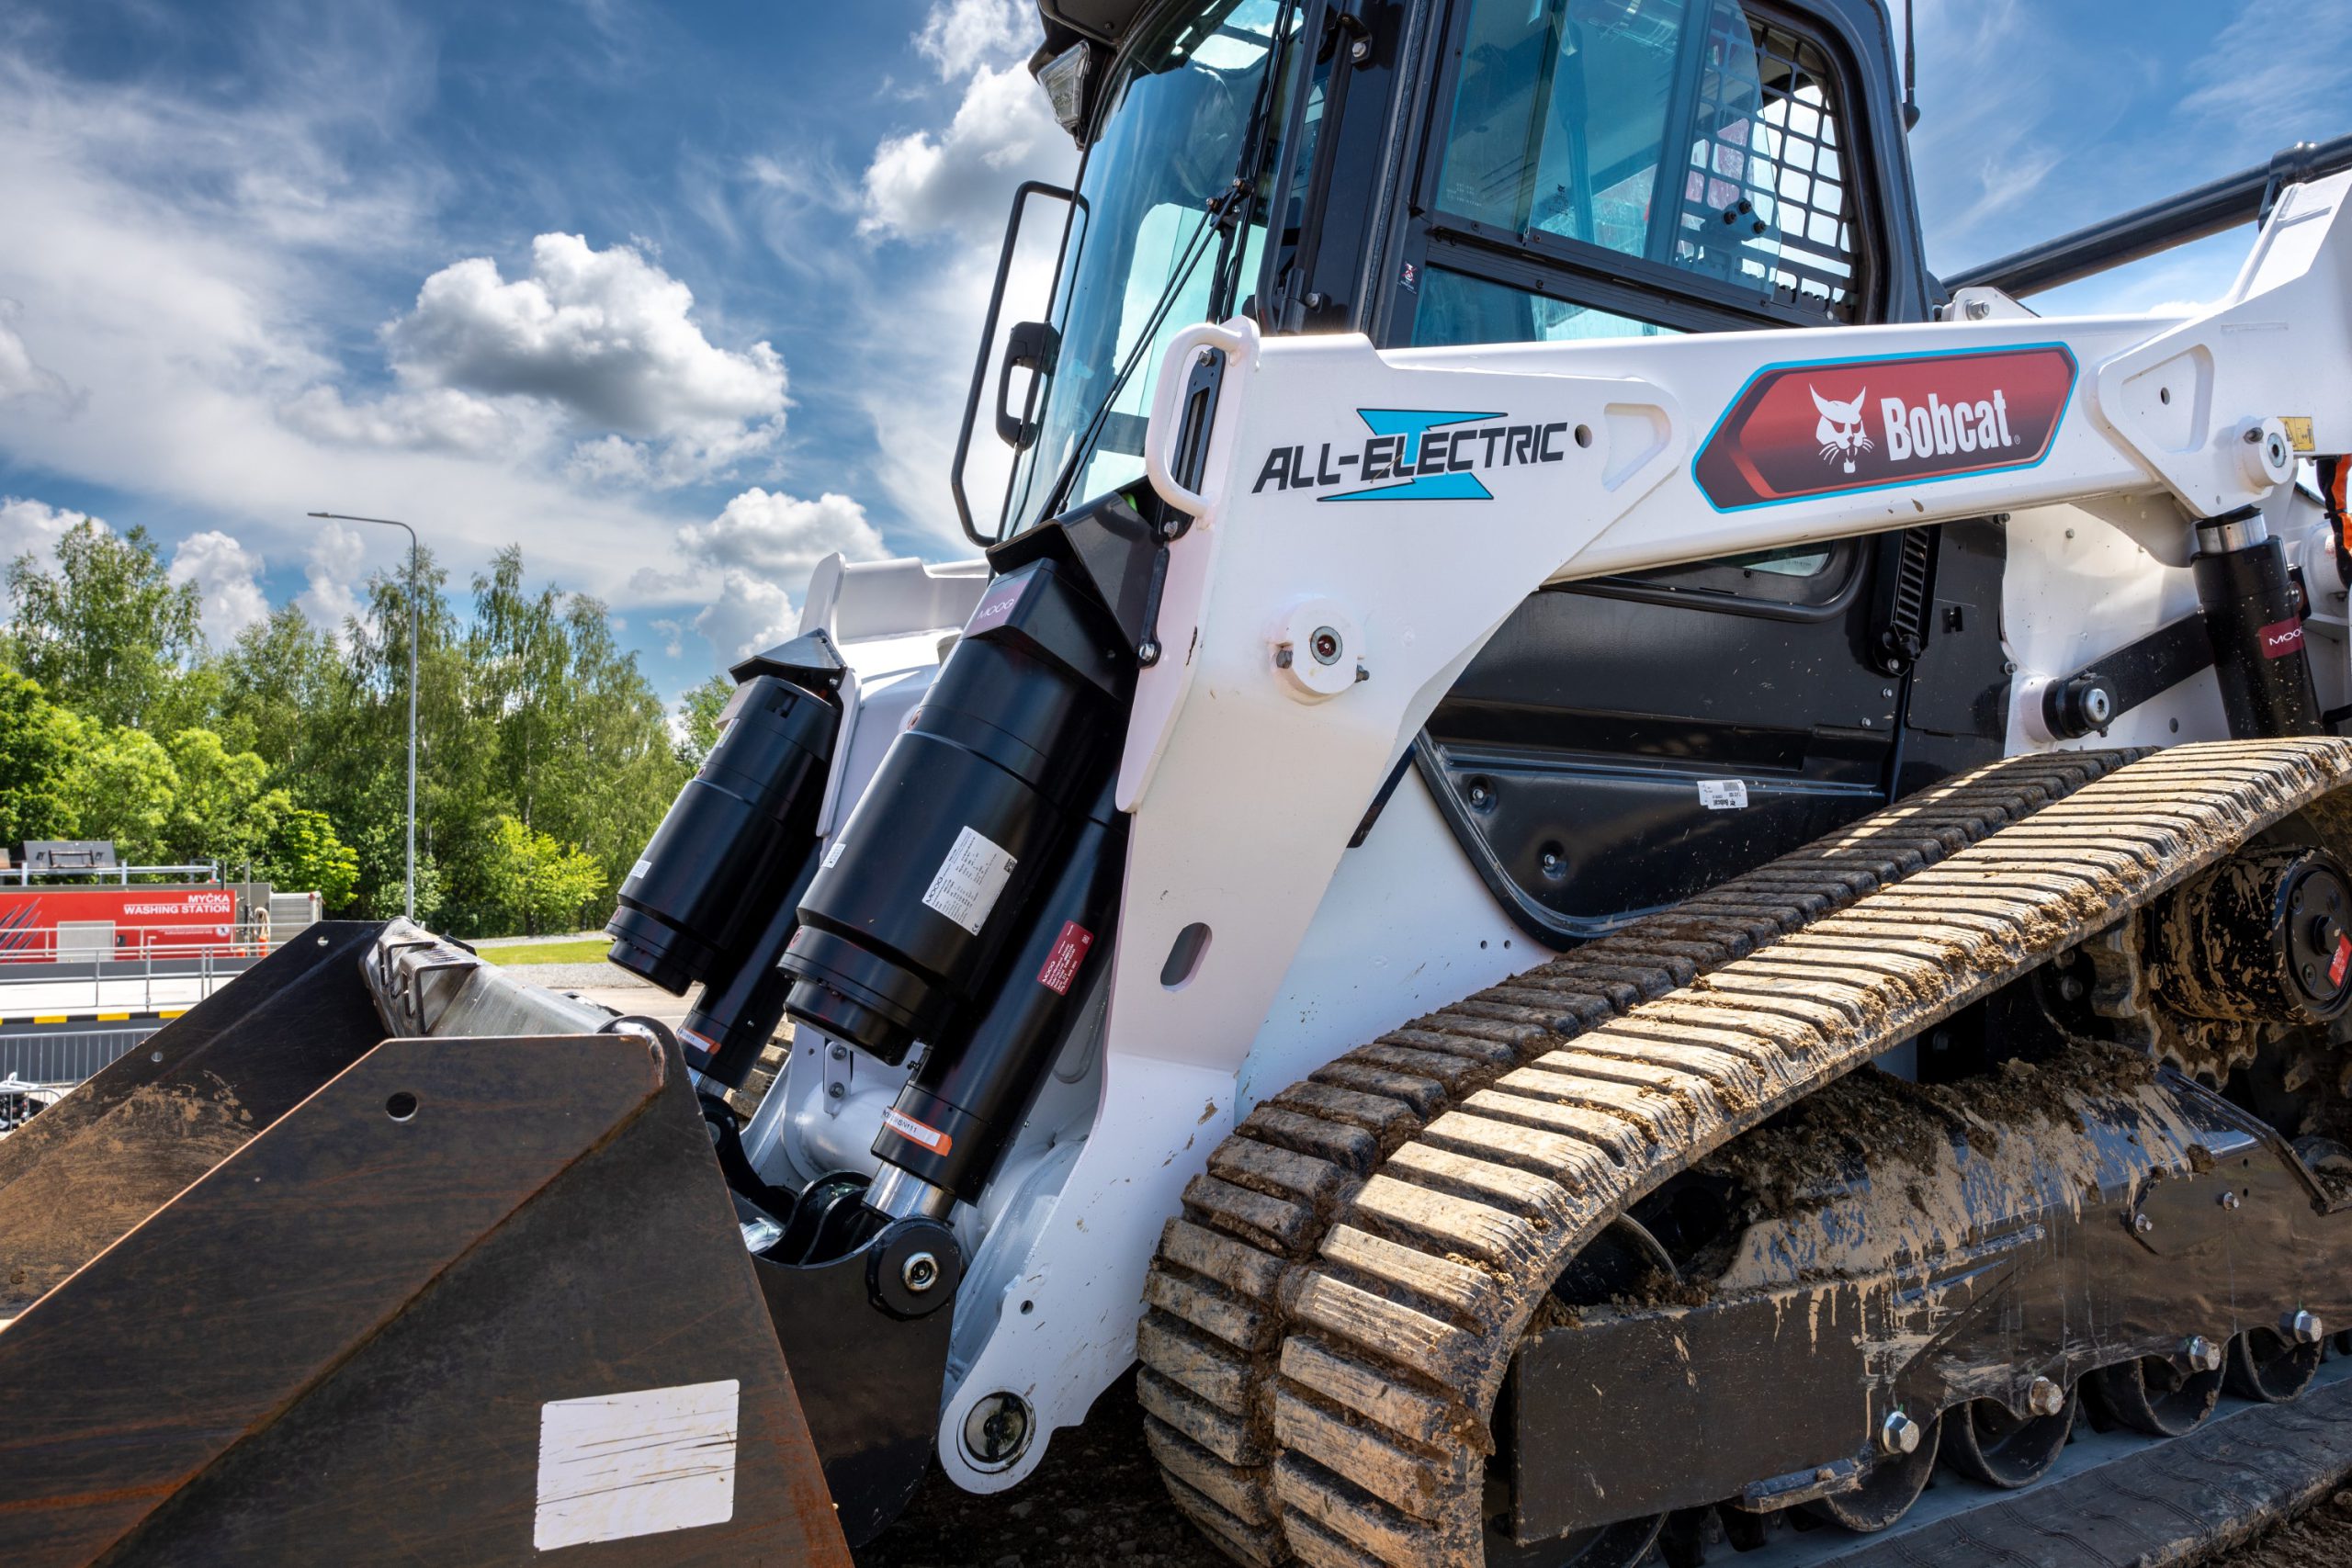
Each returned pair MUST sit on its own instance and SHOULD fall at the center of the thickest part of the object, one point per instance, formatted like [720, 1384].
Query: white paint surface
[626, 1464]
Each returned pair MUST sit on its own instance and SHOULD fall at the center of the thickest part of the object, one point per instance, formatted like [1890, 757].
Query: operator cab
[1437, 174]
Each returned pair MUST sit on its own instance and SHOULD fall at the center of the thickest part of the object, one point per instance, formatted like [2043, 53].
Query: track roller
[1907, 1459]
[2157, 1395]
[1985, 1442]
[2271, 1367]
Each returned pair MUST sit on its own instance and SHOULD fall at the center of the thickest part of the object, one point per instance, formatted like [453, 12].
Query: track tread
[1491, 1138]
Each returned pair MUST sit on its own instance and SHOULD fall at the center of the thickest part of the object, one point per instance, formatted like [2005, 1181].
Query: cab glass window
[1687, 132]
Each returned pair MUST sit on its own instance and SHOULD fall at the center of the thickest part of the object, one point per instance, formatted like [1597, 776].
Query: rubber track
[1329, 1319]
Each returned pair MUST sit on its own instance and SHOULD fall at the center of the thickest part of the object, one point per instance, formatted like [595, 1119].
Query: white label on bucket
[641, 868]
[832, 853]
[1722, 794]
[624, 1464]
[969, 880]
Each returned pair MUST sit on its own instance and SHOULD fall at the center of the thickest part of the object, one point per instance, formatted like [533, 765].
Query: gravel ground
[1095, 1499]
[1097, 1502]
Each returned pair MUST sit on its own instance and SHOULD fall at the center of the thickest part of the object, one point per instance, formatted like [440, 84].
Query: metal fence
[59, 1057]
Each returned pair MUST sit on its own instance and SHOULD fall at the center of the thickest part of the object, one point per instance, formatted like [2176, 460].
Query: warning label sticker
[1070, 951]
[922, 1132]
[969, 881]
[1722, 794]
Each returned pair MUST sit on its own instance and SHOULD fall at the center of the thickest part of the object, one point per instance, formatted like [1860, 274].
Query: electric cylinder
[741, 825]
[979, 1079]
[916, 892]
[2257, 634]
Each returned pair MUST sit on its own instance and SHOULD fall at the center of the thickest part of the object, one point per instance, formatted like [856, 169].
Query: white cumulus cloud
[32, 527]
[228, 578]
[961, 180]
[331, 570]
[748, 614]
[762, 547]
[782, 535]
[20, 375]
[605, 338]
[957, 35]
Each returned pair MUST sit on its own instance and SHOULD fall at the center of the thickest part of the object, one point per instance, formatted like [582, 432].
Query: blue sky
[683, 297]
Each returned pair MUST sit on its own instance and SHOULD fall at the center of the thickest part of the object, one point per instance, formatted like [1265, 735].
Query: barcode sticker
[1722, 794]
[618, 1465]
[1070, 951]
[923, 1133]
[832, 853]
[969, 881]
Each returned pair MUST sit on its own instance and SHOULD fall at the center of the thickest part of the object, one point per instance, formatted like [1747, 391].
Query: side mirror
[1033, 346]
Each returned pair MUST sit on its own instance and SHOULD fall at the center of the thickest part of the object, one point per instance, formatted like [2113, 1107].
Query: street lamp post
[413, 591]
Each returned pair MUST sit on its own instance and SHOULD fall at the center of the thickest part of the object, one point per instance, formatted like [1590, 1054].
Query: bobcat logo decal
[1840, 431]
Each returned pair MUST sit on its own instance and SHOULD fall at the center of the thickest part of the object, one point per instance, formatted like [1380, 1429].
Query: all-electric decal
[1852, 424]
[1416, 454]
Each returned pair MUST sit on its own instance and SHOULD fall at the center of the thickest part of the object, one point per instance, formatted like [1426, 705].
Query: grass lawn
[587, 950]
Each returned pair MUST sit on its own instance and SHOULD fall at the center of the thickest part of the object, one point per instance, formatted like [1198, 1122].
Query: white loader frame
[1248, 762]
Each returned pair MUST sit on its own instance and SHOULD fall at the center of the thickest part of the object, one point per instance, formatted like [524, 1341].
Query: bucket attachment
[303, 1297]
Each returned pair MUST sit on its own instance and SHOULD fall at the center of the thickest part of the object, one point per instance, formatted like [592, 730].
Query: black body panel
[1570, 755]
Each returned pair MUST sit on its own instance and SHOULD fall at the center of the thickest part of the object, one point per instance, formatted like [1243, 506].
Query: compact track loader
[1619, 880]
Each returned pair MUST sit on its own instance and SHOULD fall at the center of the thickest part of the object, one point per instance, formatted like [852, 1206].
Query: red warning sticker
[1850, 425]
[2342, 961]
[1070, 951]
[916, 1132]
[2280, 638]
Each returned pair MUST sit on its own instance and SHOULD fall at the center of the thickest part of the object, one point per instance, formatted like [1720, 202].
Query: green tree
[223, 809]
[122, 786]
[698, 713]
[304, 855]
[36, 763]
[539, 884]
[108, 634]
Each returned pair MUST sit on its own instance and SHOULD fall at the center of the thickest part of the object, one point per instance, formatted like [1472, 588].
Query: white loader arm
[1366, 519]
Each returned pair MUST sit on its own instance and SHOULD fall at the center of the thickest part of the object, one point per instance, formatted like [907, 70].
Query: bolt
[1282, 657]
[1147, 654]
[997, 1430]
[1866, 724]
[2071, 988]
[1363, 673]
[2202, 1354]
[1550, 863]
[2302, 1327]
[2098, 706]
[835, 1090]
[1205, 357]
[1887, 691]
[1479, 794]
[1325, 645]
[919, 1272]
[1171, 528]
[2252, 434]
[1899, 1434]
[841, 1052]
[2045, 1397]
[1977, 309]
[2229, 1200]
[2143, 1224]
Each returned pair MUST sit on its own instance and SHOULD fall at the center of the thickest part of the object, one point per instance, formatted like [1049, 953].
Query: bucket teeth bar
[1331, 1318]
